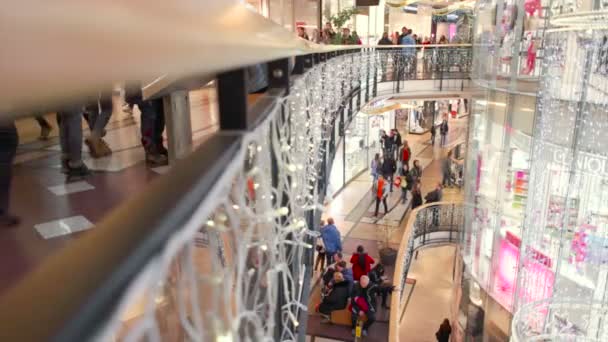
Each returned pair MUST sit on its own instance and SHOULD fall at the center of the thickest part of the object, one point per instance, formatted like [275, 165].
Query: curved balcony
[428, 225]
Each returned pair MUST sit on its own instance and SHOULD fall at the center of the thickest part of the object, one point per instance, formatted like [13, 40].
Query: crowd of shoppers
[329, 36]
[392, 169]
[355, 288]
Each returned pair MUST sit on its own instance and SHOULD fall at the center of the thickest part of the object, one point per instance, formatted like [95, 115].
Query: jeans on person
[329, 257]
[443, 139]
[371, 318]
[98, 119]
[320, 260]
[9, 140]
[383, 200]
[447, 179]
[390, 178]
[70, 135]
[403, 195]
[152, 124]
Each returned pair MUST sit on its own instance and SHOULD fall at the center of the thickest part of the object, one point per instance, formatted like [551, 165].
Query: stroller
[456, 175]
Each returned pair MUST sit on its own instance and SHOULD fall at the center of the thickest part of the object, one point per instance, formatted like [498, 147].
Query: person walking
[331, 239]
[406, 154]
[375, 166]
[446, 170]
[443, 334]
[406, 182]
[45, 127]
[9, 141]
[381, 191]
[70, 139]
[389, 167]
[320, 252]
[363, 304]
[152, 125]
[443, 130]
[385, 40]
[416, 171]
[387, 144]
[397, 142]
[433, 133]
[362, 263]
[99, 113]
[416, 196]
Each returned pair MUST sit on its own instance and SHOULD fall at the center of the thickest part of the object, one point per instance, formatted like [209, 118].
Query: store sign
[584, 162]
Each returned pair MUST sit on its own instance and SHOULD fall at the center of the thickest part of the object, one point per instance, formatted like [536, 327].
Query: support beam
[179, 126]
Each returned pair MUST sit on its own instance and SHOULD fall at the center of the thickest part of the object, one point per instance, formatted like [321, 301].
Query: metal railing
[561, 320]
[428, 225]
[144, 250]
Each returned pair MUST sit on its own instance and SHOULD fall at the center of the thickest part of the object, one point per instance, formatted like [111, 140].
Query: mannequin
[531, 59]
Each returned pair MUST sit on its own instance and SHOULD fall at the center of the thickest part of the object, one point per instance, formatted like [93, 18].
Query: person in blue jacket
[331, 239]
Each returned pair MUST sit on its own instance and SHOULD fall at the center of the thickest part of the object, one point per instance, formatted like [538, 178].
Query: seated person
[336, 298]
[376, 276]
[340, 267]
[363, 300]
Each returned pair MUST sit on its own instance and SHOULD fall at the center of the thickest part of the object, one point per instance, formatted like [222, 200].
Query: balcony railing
[220, 247]
[429, 225]
[561, 320]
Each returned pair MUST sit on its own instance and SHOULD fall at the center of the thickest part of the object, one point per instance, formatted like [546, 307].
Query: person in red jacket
[362, 263]
[406, 153]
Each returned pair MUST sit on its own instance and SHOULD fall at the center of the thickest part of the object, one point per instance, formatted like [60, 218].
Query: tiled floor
[431, 272]
[54, 212]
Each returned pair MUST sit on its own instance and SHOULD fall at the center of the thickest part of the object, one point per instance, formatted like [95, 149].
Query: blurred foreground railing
[431, 224]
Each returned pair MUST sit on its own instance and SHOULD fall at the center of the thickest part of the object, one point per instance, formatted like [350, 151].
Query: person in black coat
[376, 276]
[363, 303]
[389, 167]
[416, 196]
[443, 334]
[337, 298]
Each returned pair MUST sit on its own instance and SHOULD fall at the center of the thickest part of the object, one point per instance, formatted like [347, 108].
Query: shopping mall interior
[304, 170]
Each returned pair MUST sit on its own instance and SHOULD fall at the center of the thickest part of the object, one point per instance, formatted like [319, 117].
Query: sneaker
[79, 171]
[156, 160]
[45, 131]
[364, 333]
[9, 221]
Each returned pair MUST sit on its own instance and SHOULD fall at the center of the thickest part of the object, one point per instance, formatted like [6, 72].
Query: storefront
[356, 150]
